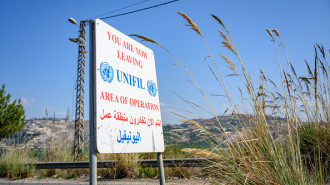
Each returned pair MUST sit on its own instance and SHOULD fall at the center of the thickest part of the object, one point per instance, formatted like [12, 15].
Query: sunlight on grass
[293, 151]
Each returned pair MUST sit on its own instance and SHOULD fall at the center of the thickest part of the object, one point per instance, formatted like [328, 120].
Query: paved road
[49, 181]
[31, 181]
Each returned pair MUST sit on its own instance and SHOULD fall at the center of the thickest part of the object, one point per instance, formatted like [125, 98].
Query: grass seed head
[190, 121]
[269, 32]
[227, 44]
[219, 21]
[231, 65]
[191, 24]
[144, 38]
[202, 153]
[276, 32]
[263, 74]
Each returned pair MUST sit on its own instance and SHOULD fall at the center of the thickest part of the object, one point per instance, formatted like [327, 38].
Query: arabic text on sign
[107, 115]
[128, 137]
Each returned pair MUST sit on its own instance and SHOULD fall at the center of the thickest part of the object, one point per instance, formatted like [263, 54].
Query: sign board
[128, 118]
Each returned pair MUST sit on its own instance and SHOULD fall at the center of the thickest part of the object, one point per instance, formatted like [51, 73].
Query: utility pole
[80, 92]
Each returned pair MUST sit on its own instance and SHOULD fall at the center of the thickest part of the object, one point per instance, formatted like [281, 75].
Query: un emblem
[106, 72]
[152, 89]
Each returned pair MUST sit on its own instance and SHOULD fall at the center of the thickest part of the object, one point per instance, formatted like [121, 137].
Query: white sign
[128, 116]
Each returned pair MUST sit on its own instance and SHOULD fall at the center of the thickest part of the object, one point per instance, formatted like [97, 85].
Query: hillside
[187, 135]
[41, 132]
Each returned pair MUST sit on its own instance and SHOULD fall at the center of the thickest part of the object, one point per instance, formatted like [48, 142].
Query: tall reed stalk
[267, 152]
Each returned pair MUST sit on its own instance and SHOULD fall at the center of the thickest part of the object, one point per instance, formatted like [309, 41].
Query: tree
[12, 115]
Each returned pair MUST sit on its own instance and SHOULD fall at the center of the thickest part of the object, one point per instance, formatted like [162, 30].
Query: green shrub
[148, 172]
[72, 175]
[13, 164]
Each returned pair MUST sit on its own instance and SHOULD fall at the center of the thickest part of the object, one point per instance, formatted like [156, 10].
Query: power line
[119, 9]
[140, 9]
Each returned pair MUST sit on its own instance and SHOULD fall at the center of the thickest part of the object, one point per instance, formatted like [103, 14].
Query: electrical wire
[139, 10]
[119, 9]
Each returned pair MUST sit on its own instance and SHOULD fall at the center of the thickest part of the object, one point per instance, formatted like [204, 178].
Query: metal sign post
[160, 169]
[92, 152]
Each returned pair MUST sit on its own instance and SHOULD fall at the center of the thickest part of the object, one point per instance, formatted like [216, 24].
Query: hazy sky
[38, 63]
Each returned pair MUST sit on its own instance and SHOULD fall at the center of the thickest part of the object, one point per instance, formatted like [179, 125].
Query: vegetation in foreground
[293, 152]
[296, 152]
[14, 163]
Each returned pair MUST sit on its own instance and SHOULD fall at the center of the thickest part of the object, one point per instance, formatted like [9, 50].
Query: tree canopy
[12, 114]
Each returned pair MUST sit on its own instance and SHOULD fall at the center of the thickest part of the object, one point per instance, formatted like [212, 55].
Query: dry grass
[12, 163]
[127, 165]
[296, 152]
[265, 152]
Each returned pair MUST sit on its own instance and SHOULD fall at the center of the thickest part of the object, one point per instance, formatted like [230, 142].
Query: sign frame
[92, 114]
[127, 108]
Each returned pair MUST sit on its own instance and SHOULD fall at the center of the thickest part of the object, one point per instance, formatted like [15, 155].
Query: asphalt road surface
[50, 181]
